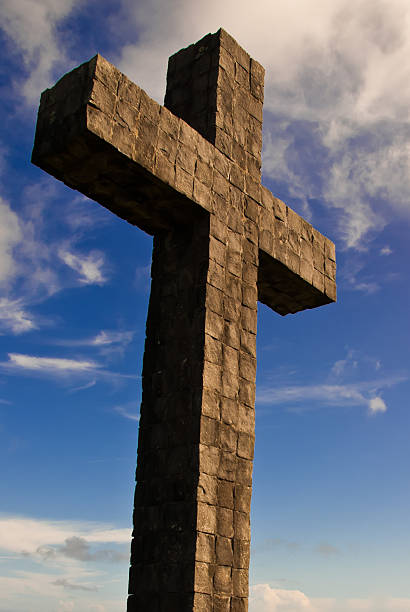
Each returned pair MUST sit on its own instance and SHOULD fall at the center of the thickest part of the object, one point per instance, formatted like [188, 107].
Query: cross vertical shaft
[197, 417]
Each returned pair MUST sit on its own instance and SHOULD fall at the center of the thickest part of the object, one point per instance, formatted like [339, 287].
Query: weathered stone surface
[189, 173]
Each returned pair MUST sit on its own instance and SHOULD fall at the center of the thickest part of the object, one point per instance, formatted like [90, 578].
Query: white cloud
[377, 404]
[104, 338]
[21, 534]
[10, 236]
[341, 366]
[347, 394]
[349, 382]
[50, 364]
[264, 598]
[128, 411]
[89, 267]
[32, 27]
[386, 250]
[14, 318]
[30, 272]
[63, 370]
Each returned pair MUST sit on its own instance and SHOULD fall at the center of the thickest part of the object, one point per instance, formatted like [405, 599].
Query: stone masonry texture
[189, 173]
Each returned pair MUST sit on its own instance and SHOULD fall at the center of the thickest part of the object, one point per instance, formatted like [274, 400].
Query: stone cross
[189, 173]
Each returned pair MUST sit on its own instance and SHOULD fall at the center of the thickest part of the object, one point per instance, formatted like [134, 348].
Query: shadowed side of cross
[189, 173]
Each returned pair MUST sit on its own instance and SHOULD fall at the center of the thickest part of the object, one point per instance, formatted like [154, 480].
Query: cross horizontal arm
[101, 134]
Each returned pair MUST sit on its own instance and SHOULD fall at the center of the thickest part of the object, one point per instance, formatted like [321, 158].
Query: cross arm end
[101, 134]
[297, 264]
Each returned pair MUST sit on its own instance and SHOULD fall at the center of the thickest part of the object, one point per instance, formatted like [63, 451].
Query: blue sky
[331, 503]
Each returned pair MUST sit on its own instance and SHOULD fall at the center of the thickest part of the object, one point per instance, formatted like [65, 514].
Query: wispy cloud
[89, 267]
[33, 263]
[338, 388]
[49, 364]
[10, 236]
[348, 394]
[106, 342]
[14, 317]
[112, 337]
[59, 368]
[87, 385]
[66, 584]
[326, 549]
[128, 411]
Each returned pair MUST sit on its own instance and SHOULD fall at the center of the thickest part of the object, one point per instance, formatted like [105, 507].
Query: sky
[331, 503]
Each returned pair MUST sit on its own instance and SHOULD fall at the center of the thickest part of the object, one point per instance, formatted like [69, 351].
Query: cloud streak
[58, 368]
[89, 267]
[348, 394]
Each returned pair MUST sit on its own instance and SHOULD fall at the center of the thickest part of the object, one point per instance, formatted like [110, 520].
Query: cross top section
[216, 87]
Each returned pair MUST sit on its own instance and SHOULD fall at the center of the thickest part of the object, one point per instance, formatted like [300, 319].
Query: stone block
[227, 466]
[205, 548]
[232, 308]
[231, 335]
[242, 525]
[209, 431]
[241, 550]
[247, 367]
[209, 457]
[243, 498]
[229, 411]
[222, 603]
[228, 438]
[239, 604]
[203, 582]
[230, 385]
[216, 275]
[240, 580]
[201, 603]
[246, 396]
[214, 325]
[225, 494]
[213, 350]
[248, 342]
[234, 263]
[207, 518]
[246, 443]
[223, 579]
[210, 404]
[243, 471]
[212, 376]
[224, 551]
